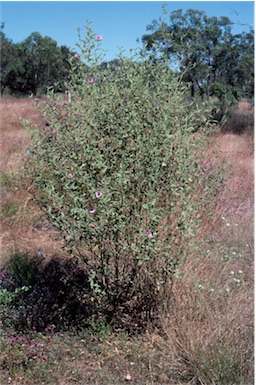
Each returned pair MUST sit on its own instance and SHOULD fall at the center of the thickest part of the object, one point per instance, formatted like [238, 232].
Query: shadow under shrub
[61, 296]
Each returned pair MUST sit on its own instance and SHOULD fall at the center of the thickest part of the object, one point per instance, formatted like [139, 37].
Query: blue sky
[119, 22]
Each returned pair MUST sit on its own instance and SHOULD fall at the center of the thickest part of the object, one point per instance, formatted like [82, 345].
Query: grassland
[207, 337]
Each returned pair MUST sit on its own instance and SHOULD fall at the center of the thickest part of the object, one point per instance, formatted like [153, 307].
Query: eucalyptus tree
[210, 58]
[42, 61]
[33, 65]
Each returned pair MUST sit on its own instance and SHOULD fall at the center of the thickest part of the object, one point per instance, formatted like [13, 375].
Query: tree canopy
[210, 57]
[33, 65]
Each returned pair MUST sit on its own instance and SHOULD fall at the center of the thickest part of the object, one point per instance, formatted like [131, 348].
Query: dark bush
[239, 124]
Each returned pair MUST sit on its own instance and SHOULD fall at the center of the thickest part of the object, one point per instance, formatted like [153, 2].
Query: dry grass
[208, 336]
[209, 333]
[26, 230]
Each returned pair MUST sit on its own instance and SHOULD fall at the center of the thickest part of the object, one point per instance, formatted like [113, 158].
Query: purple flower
[149, 234]
[98, 194]
[54, 133]
[91, 210]
[76, 56]
[3, 274]
[90, 80]
[32, 352]
[14, 362]
[13, 338]
[4, 371]
[37, 100]
[99, 37]
[70, 176]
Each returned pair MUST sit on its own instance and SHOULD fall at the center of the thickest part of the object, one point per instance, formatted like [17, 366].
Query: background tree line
[213, 61]
[33, 65]
[210, 58]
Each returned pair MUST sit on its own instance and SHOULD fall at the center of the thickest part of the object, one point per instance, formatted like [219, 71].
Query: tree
[33, 65]
[43, 62]
[206, 51]
[12, 69]
[234, 65]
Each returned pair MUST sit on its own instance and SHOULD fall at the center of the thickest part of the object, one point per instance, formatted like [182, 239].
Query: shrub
[118, 172]
[23, 269]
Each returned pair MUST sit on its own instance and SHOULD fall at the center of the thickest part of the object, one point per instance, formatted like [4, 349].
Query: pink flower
[103, 180]
[3, 274]
[70, 176]
[99, 37]
[54, 133]
[13, 338]
[90, 80]
[98, 194]
[149, 234]
[37, 100]
[128, 377]
[76, 56]
[91, 210]
[32, 352]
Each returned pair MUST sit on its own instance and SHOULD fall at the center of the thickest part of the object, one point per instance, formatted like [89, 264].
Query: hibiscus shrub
[117, 171]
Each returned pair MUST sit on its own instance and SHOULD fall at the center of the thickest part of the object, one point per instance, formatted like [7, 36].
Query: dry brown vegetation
[27, 230]
[208, 336]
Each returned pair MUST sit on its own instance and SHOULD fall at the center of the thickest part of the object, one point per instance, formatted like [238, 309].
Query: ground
[212, 309]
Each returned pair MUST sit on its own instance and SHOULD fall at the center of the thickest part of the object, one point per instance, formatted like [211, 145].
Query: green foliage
[23, 269]
[33, 65]
[11, 63]
[118, 172]
[99, 328]
[6, 296]
[207, 52]
[8, 209]
[5, 180]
